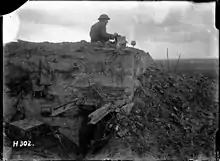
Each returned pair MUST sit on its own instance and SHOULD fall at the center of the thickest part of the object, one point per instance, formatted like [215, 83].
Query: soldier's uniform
[98, 31]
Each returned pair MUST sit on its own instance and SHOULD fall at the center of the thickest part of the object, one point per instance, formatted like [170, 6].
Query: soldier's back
[95, 32]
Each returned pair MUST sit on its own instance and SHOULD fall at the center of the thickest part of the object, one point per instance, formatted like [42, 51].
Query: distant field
[208, 67]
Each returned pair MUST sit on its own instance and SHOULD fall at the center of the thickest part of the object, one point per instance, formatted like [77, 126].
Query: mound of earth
[174, 115]
[69, 69]
[61, 72]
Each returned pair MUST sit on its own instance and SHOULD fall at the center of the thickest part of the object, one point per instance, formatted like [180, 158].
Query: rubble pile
[65, 70]
[46, 75]
[174, 115]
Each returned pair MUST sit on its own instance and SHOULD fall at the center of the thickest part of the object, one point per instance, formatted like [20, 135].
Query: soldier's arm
[106, 35]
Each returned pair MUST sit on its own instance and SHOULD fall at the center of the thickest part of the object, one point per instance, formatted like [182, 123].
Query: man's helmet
[103, 17]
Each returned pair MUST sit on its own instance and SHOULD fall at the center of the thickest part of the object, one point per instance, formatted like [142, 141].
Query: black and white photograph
[111, 80]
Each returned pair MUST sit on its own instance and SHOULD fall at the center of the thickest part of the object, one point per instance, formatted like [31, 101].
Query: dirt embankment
[174, 115]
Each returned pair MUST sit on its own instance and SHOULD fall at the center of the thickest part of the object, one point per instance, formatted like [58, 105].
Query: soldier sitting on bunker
[98, 30]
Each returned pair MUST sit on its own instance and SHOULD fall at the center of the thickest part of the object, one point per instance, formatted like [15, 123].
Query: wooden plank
[60, 106]
[27, 124]
[63, 109]
[100, 113]
[97, 115]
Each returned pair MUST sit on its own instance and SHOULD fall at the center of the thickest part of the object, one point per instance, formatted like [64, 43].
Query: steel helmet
[103, 17]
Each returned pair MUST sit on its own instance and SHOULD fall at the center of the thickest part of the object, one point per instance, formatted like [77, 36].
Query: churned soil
[174, 115]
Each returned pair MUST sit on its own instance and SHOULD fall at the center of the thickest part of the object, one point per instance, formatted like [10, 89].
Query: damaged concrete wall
[79, 64]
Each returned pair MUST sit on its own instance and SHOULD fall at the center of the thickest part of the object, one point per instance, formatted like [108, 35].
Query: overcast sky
[182, 27]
